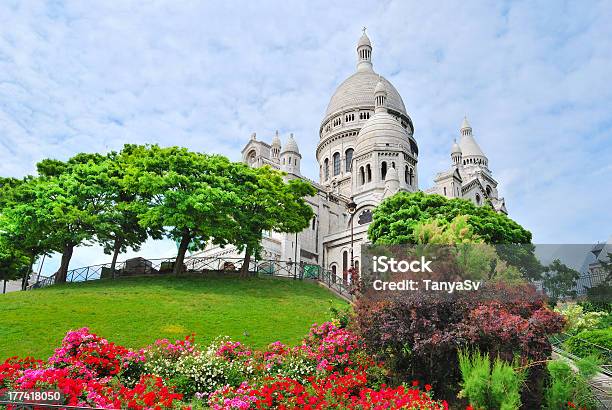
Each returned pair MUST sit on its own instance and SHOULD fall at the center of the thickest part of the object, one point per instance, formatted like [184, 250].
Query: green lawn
[136, 311]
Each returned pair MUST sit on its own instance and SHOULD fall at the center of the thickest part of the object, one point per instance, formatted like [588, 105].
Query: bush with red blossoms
[346, 391]
[329, 369]
[88, 371]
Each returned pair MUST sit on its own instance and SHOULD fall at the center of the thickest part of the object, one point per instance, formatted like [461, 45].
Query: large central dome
[358, 89]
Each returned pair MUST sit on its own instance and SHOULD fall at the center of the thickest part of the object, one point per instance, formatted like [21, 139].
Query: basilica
[367, 152]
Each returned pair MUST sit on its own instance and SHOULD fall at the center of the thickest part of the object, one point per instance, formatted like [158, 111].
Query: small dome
[456, 148]
[469, 147]
[291, 145]
[392, 175]
[276, 140]
[380, 86]
[357, 91]
[381, 128]
[364, 40]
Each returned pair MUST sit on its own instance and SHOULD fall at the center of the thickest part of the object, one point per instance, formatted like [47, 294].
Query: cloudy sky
[532, 76]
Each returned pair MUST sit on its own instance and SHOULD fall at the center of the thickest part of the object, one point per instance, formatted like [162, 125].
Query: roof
[358, 91]
[364, 40]
[291, 145]
[469, 147]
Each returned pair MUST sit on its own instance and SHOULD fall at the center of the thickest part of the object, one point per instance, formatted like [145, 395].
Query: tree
[61, 208]
[14, 264]
[118, 228]
[394, 219]
[407, 218]
[18, 226]
[559, 280]
[189, 195]
[267, 203]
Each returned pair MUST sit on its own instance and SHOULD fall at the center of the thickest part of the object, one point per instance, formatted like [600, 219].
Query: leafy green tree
[189, 195]
[559, 280]
[60, 209]
[14, 264]
[395, 218]
[409, 218]
[20, 227]
[267, 203]
[118, 228]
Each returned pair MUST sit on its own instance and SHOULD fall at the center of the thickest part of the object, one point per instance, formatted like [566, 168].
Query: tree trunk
[244, 270]
[180, 257]
[4, 287]
[62, 273]
[116, 250]
[26, 277]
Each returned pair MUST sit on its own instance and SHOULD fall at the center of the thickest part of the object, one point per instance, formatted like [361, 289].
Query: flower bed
[330, 369]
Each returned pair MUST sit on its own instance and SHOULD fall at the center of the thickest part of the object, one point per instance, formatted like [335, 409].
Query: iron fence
[203, 265]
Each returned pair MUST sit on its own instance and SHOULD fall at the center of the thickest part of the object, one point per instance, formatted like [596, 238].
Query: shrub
[418, 334]
[589, 342]
[578, 319]
[566, 389]
[496, 387]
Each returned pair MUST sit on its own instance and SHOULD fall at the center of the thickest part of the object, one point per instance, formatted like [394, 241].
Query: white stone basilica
[366, 152]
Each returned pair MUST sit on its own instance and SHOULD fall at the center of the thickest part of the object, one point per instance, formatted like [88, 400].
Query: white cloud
[532, 76]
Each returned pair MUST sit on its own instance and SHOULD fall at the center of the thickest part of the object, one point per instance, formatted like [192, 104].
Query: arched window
[348, 158]
[361, 176]
[383, 170]
[326, 168]
[477, 199]
[369, 172]
[336, 159]
[411, 176]
[357, 266]
[444, 191]
[393, 165]
[489, 190]
[406, 174]
[333, 274]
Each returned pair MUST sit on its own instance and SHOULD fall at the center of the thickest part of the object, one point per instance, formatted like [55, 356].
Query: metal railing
[203, 265]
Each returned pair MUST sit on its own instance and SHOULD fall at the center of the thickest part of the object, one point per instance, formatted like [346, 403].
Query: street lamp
[351, 207]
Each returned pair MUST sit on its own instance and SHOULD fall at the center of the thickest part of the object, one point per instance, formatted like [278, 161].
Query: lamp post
[351, 207]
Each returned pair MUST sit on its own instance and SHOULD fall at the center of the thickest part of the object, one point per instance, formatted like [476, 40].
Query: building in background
[366, 152]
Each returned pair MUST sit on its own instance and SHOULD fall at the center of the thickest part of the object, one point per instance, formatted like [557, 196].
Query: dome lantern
[380, 96]
[276, 146]
[364, 53]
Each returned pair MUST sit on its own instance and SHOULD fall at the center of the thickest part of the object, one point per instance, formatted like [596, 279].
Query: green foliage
[588, 366]
[559, 280]
[579, 320]
[14, 264]
[266, 203]
[486, 387]
[417, 218]
[395, 218]
[589, 342]
[565, 387]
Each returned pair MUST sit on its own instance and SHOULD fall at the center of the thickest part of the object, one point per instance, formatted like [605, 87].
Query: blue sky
[533, 78]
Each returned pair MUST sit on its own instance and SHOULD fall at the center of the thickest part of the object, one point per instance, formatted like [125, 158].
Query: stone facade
[366, 152]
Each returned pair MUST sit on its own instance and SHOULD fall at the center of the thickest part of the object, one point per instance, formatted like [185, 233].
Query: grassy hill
[136, 311]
